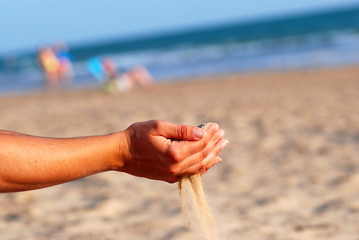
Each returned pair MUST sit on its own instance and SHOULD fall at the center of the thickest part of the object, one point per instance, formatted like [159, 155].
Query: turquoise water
[321, 39]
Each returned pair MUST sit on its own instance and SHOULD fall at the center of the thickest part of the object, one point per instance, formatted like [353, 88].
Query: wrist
[121, 151]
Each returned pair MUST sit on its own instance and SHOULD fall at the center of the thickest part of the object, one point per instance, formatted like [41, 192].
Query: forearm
[28, 162]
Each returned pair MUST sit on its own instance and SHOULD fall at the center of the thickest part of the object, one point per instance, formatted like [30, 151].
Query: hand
[165, 151]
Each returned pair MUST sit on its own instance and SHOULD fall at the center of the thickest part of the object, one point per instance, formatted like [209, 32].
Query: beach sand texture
[291, 170]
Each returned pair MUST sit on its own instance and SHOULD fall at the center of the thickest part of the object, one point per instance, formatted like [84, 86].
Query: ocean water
[321, 39]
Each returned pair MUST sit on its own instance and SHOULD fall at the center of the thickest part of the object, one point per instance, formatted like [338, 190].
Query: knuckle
[173, 170]
[204, 154]
[134, 125]
[157, 123]
[199, 169]
[175, 155]
[201, 166]
[203, 169]
[182, 131]
[204, 144]
[154, 124]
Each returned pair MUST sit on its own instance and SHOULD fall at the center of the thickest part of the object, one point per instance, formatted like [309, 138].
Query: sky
[26, 24]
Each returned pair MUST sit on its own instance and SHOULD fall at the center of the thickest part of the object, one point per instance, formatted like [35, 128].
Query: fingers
[196, 164]
[217, 160]
[211, 146]
[201, 161]
[181, 150]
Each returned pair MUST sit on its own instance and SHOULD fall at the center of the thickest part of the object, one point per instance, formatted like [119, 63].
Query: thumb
[182, 132]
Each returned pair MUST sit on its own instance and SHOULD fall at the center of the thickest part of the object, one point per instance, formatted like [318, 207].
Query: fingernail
[221, 133]
[224, 143]
[217, 160]
[198, 133]
[215, 126]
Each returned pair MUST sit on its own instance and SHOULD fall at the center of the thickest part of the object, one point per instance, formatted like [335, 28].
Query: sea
[322, 39]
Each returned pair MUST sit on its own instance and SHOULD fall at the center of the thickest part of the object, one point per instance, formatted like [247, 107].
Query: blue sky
[26, 24]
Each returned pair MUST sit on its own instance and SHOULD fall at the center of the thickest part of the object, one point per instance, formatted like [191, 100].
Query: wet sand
[291, 170]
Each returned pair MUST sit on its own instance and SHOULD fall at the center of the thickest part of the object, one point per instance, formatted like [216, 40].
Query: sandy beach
[291, 170]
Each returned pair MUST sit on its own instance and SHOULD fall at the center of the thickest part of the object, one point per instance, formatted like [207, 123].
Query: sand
[195, 207]
[291, 170]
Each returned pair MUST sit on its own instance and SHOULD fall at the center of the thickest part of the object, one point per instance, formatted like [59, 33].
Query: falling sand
[195, 207]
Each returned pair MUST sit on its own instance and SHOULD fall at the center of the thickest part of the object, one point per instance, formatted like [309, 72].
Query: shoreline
[189, 79]
[93, 86]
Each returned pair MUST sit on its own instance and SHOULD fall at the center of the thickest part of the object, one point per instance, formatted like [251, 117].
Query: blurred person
[65, 62]
[154, 149]
[50, 65]
[105, 71]
[138, 76]
[111, 75]
[110, 68]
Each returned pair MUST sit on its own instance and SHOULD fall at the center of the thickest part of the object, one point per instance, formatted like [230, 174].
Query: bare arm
[145, 149]
[29, 162]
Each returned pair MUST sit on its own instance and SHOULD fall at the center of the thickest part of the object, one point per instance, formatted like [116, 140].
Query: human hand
[164, 151]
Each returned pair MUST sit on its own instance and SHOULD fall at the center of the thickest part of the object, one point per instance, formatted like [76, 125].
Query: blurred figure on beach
[56, 63]
[105, 71]
[48, 62]
[65, 62]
